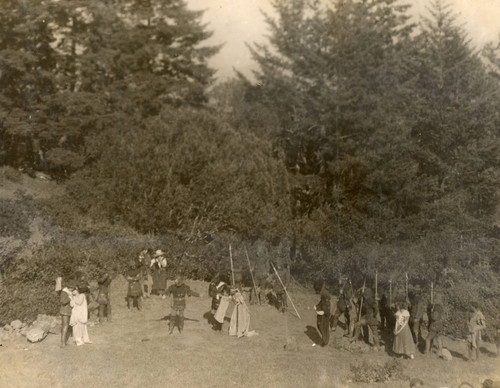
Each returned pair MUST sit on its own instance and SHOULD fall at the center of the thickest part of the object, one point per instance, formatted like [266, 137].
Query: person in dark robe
[323, 316]
[103, 298]
[179, 291]
[417, 310]
[476, 323]
[134, 293]
[436, 316]
[159, 270]
[386, 319]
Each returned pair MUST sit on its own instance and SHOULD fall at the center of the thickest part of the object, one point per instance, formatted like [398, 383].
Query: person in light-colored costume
[79, 317]
[240, 319]
[403, 340]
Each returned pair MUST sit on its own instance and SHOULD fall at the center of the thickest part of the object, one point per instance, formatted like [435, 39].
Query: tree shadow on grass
[313, 335]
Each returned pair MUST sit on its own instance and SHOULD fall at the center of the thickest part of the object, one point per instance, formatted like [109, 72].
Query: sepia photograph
[250, 193]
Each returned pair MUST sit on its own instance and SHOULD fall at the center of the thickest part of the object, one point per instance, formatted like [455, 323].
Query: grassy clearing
[135, 350]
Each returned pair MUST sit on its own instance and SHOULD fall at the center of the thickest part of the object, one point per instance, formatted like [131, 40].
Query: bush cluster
[374, 372]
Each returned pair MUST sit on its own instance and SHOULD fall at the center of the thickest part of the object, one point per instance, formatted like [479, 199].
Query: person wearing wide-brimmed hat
[159, 269]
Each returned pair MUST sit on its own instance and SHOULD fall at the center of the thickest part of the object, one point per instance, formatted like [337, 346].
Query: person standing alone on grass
[134, 293]
[476, 324]
[103, 298]
[403, 340]
[323, 316]
[179, 291]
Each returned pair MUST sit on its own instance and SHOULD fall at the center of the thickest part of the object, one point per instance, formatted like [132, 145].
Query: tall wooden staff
[432, 292]
[284, 288]
[376, 285]
[362, 297]
[406, 285]
[251, 274]
[231, 259]
[390, 292]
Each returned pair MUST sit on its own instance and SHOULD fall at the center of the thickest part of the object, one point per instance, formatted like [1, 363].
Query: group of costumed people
[405, 318]
[222, 296]
[148, 276]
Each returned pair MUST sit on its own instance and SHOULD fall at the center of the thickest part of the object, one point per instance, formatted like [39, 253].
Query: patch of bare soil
[135, 350]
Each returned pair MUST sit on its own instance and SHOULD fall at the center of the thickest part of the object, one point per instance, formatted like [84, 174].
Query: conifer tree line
[363, 140]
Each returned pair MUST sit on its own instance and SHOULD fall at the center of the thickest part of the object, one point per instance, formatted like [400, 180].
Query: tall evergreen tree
[71, 69]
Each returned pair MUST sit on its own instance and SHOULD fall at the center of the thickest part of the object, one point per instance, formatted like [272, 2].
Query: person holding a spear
[343, 307]
[367, 316]
[323, 316]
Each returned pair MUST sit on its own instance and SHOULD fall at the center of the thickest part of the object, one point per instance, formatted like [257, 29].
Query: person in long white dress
[240, 319]
[79, 316]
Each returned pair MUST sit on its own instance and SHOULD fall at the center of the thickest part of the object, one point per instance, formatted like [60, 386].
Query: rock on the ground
[16, 325]
[7, 328]
[48, 323]
[36, 334]
[445, 353]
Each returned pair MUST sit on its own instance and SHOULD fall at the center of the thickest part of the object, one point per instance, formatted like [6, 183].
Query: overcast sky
[235, 22]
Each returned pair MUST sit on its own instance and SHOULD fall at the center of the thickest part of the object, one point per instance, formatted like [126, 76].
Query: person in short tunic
[134, 293]
[79, 318]
[476, 324]
[65, 296]
[240, 318]
[103, 298]
[343, 308]
[403, 343]
[323, 317]
[368, 320]
[179, 291]
[417, 310]
[435, 314]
